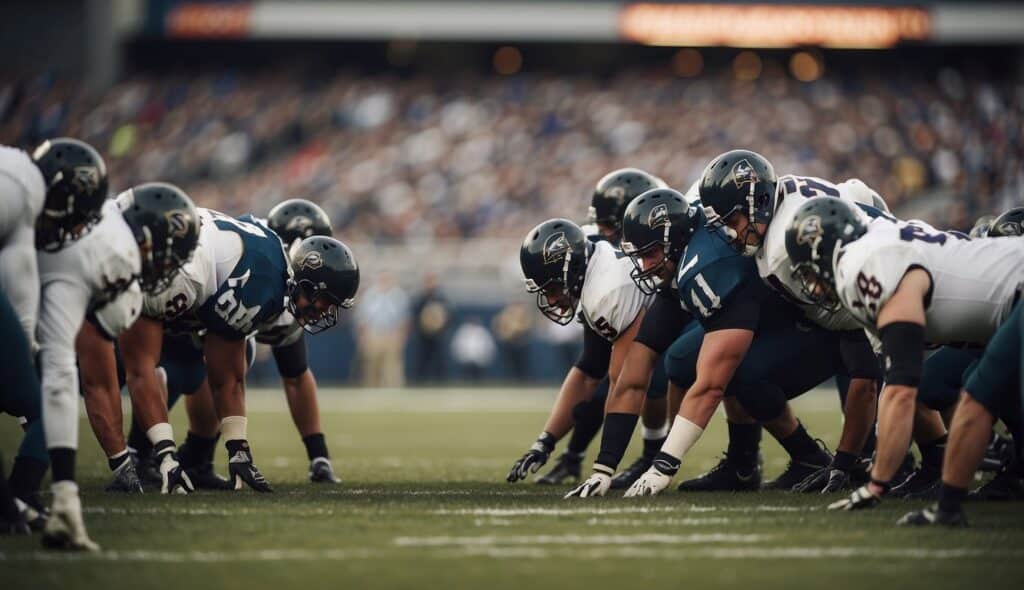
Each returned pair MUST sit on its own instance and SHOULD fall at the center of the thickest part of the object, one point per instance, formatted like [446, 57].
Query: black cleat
[205, 478]
[906, 469]
[126, 479]
[568, 469]
[17, 527]
[725, 477]
[320, 471]
[998, 455]
[923, 484]
[798, 471]
[627, 476]
[1007, 485]
[933, 516]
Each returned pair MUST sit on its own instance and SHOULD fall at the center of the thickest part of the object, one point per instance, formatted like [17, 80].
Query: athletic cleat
[17, 527]
[923, 484]
[798, 471]
[998, 455]
[1007, 485]
[568, 469]
[627, 476]
[320, 471]
[906, 469]
[33, 512]
[65, 529]
[205, 478]
[933, 516]
[725, 477]
[126, 479]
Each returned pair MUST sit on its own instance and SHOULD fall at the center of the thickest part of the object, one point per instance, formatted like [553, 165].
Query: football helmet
[76, 186]
[659, 218]
[554, 261]
[1010, 223]
[325, 281]
[981, 226]
[166, 227]
[819, 230]
[298, 219]
[739, 182]
[615, 191]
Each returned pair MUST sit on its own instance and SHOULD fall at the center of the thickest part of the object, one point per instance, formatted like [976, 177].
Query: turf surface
[424, 505]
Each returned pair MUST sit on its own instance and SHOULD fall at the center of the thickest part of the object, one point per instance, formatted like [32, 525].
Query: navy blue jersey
[255, 291]
[715, 280]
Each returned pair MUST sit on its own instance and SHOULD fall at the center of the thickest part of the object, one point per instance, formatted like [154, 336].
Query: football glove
[597, 484]
[657, 478]
[838, 481]
[814, 482]
[173, 479]
[861, 498]
[241, 469]
[533, 459]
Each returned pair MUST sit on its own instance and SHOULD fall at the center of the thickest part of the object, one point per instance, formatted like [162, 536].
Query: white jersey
[611, 300]
[974, 282]
[96, 272]
[211, 264]
[773, 262]
[22, 192]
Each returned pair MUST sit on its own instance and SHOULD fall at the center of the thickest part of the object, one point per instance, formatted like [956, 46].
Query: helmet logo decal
[809, 231]
[86, 179]
[743, 173]
[658, 216]
[301, 225]
[178, 223]
[311, 261]
[1009, 228]
[555, 248]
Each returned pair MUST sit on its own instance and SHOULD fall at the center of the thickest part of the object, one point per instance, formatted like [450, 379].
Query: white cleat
[65, 529]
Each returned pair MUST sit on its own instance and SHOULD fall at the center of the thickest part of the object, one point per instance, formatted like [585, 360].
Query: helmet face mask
[165, 224]
[817, 285]
[554, 301]
[314, 309]
[553, 258]
[659, 221]
[815, 240]
[325, 281]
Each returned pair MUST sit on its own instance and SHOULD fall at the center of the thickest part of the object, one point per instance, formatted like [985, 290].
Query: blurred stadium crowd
[394, 159]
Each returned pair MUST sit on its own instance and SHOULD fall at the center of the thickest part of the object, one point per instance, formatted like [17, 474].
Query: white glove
[174, 480]
[597, 484]
[860, 499]
[651, 483]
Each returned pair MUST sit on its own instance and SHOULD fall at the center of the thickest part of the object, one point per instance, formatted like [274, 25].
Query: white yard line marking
[198, 556]
[656, 522]
[234, 511]
[732, 553]
[585, 510]
[576, 540]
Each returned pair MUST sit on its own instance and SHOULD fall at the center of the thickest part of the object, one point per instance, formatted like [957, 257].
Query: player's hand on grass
[533, 459]
[838, 481]
[860, 499]
[597, 484]
[173, 479]
[241, 469]
[657, 478]
[813, 482]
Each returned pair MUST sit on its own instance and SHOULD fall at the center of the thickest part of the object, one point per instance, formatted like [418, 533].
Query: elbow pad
[902, 353]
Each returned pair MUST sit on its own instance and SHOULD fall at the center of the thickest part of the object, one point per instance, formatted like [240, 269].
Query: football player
[293, 221]
[102, 275]
[165, 224]
[238, 280]
[607, 203]
[567, 272]
[909, 284]
[23, 190]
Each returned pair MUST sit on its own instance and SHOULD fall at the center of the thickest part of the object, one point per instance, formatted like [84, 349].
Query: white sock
[118, 455]
[234, 428]
[682, 436]
[160, 432]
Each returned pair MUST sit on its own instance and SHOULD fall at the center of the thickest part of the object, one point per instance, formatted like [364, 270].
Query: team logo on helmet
[658, 216]
[555, 248]
[301, 225]
[1008, 228]
[311, 261]
[86, 179]
[742, 173]
[178, 223]
[809, 231]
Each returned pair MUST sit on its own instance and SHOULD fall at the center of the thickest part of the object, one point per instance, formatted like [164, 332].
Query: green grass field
[424, 505]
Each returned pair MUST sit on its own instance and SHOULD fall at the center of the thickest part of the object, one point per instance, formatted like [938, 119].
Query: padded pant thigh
[943, 377]
[658, 389]
[20, 394]
[183, 361]
[995, 381]
[783, 363]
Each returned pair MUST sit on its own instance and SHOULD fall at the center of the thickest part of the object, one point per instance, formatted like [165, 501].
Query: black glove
[534, 459]
[814, 482]
[838, 481]
[241, 469]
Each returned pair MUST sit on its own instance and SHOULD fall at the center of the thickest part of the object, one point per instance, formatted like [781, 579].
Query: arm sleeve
[664, 321]
[740, 311]
[596, 355]
[116, 316]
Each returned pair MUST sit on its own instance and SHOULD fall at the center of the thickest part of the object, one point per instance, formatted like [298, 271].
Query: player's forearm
[700, 402]
[576, 388]
[895, 423]
[861, 406]
[103, 407]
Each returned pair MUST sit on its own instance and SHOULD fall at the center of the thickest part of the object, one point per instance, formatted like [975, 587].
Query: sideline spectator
[382, 319]
[473, 349]
[430, 319]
